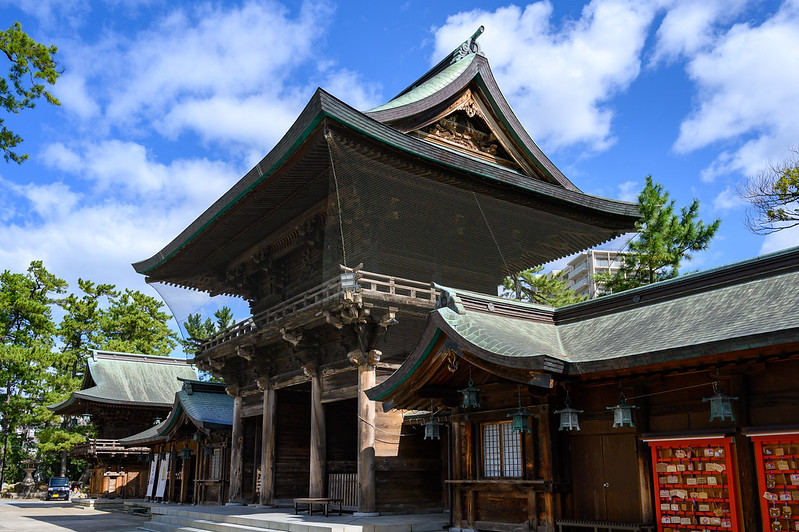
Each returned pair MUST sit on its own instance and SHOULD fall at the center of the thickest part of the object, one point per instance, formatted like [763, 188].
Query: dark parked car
[58, 488]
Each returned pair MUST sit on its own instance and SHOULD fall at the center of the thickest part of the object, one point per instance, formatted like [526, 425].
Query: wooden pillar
[267, 497]
[547, 468]
[367, 500]
[197, 472]
[172, 467]
[457, 473]
[747, 470]
[318, 470]
[235, 496]
[645, 482]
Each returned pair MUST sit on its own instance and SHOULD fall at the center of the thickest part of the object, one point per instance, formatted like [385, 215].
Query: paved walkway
[284, 518]
[29, 516]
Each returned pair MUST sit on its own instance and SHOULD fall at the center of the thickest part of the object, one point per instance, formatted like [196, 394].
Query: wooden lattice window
[501, 450]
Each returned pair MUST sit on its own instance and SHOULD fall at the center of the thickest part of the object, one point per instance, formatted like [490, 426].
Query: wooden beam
[747, 470]
[367, 500]
[318, 466]
[235, 495]
[267, 497]
[347, 392]
[645, 481]
[547, 466]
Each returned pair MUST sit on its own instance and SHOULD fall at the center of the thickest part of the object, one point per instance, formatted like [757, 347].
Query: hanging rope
[674, 390]
[329, 139]
[507, 270]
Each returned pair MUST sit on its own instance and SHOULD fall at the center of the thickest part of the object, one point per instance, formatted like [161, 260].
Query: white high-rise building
[580, 271]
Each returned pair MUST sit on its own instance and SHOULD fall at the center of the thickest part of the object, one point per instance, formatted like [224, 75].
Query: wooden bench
[324, 502]
[603, 525]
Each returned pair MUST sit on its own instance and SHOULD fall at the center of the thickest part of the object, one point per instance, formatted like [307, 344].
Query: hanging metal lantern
[149, 458]
[720, 405]
[471, 398]
[432, 428]
[185, 453]
[208, 450]
[622, 413]
[197, 437]
[569, 419]
[519, 421]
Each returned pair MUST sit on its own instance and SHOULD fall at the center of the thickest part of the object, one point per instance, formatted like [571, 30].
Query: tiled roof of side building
[207, 408]
[130, 379]
[745, 305]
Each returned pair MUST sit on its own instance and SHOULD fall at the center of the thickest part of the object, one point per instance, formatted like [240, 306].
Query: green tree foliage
[545, 289]
[198, 330]
[664, 239]
[135, 323]
[27, 333]
[32, 68]
[773, 195]
[41, 363]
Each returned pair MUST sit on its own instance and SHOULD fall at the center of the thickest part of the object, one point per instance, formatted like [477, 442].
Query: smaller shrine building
[122, 393]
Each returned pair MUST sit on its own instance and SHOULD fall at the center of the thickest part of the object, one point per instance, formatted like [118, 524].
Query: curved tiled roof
[745, 305]
[428, 87]
[129, 379]
[207, 410]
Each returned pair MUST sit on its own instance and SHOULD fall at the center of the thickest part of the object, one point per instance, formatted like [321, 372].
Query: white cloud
[688, 26]
[254, 121]
[225, 73]
[728, 199]
[748, 89]
[54, 13]
[784, 239]
[348, 86]
[133, 206]
[629, 190]
[559, 77]
[74, 96]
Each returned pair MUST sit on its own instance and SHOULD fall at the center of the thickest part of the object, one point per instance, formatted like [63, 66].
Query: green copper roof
[132, 379]
[147, 436]
[504, 336]
[742, 306]
[429, 87]
[755, 308]
[206, 410]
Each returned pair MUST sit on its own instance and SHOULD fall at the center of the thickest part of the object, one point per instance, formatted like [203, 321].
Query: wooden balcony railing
[368, 285]
[97, 446]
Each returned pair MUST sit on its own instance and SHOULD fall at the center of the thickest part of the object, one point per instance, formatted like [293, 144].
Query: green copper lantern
[519, 421]
[432, 428]
[622, 413]
[720, 405]
[185, 453]
[209, 450]
[470, 394]
[569, 418]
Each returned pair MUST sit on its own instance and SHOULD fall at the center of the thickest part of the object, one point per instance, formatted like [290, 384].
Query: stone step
[217, 523]
[164, 527]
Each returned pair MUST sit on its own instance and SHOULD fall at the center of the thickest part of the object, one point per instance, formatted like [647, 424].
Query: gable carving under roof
[466, 127]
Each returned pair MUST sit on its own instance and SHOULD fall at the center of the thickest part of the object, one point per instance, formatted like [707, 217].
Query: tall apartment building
[580, 271]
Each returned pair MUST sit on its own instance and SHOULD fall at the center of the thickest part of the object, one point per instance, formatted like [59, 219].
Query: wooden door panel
[622, 495]
[586, 468]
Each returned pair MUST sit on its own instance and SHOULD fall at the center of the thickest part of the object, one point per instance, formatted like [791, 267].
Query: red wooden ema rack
[777, 462]
[695, 486]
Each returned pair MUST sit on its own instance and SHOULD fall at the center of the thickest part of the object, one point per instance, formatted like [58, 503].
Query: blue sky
[166, 104]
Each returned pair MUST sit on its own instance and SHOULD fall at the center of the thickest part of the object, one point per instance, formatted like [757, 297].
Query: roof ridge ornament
[469, 46]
